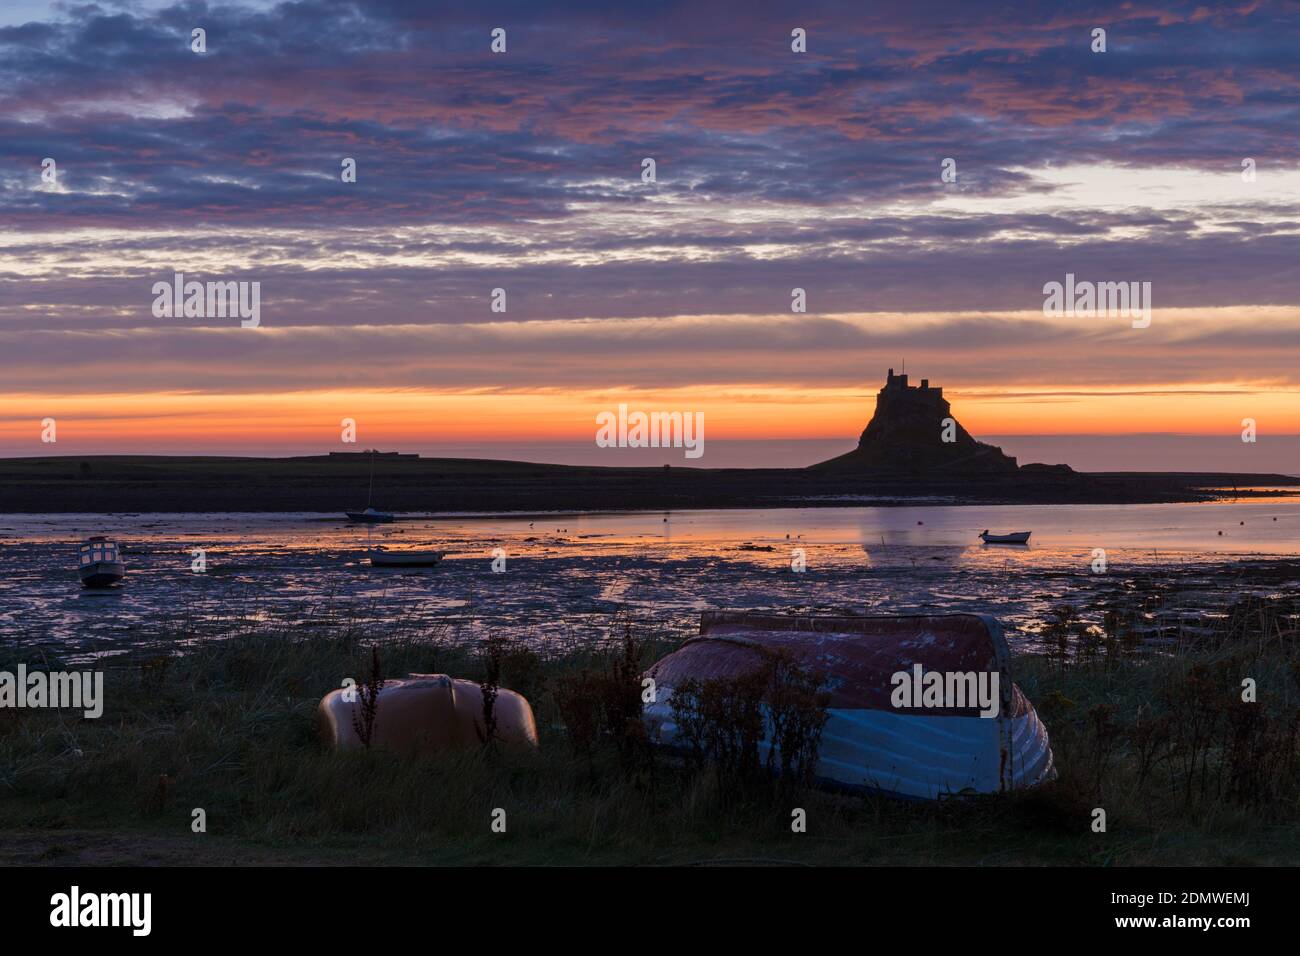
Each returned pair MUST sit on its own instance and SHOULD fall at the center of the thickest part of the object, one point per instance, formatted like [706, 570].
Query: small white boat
[99, 563]
[381, 558]
[1015, 537]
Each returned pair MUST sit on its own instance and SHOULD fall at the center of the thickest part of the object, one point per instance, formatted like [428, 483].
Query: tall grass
[1186, 771]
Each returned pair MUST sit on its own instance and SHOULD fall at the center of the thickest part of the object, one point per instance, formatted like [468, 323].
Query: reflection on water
[566, 575]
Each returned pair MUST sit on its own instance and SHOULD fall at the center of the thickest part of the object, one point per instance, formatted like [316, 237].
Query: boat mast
[371, 492]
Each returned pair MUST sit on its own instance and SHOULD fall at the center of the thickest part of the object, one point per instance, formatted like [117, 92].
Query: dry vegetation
[1187, 772]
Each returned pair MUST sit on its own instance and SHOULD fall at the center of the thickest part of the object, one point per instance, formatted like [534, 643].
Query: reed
[489, 687]
[364, 716]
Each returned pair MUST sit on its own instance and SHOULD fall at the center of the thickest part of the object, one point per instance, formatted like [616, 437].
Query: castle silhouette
[913, 431]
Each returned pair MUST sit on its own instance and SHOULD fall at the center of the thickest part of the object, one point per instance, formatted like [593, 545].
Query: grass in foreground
[1186, 772]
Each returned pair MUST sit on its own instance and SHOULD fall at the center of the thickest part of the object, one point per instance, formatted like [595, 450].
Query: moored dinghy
[1015, 537]
[868, 742]
[383, 558]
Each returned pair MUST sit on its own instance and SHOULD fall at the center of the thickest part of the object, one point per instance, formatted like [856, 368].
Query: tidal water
[569, 577]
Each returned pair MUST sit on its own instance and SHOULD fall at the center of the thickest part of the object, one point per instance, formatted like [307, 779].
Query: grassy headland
[336, 484]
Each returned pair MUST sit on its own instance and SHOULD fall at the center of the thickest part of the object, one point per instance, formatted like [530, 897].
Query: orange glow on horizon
[298, 420]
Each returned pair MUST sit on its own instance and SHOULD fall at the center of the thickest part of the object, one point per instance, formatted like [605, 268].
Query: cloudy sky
[522, 171]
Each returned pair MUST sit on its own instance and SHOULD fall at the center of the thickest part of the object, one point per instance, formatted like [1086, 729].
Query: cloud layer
[522, 171]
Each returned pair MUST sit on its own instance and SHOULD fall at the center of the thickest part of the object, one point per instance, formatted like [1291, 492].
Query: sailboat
[370, 515]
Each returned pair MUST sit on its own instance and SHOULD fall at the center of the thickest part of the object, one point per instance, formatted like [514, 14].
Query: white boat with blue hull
[868, 743]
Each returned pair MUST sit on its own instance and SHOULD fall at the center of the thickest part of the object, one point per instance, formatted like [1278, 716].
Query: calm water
[567, 576]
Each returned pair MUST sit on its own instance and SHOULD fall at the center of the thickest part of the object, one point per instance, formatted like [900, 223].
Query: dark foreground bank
[1185, 770]
[336, 484]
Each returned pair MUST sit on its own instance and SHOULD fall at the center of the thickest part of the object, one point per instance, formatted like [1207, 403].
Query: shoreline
[416, 517]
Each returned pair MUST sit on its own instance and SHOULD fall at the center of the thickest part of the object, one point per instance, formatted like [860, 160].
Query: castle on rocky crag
[913, 432]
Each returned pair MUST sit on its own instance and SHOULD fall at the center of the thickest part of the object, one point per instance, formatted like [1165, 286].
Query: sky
[522, 171]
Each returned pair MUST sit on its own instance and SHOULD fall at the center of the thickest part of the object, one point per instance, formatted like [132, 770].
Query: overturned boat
[886, 730]
[425, 713]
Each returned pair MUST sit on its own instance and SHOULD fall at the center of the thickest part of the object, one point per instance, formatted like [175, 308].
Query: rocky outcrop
[913, 432]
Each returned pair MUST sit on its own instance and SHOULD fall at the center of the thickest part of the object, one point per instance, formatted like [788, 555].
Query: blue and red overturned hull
[869, 742]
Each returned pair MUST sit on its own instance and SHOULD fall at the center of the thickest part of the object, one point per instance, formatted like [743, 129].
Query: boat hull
[867, 744]
[405, 559]
[363, 518]
[1020, 537]
[101, 574]
[427, 713]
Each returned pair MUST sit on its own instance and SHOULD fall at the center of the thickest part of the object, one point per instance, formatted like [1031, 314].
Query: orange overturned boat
[425, 713]
[926, 747]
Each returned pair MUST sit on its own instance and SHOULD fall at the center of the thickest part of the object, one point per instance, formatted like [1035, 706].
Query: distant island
[913, 448]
